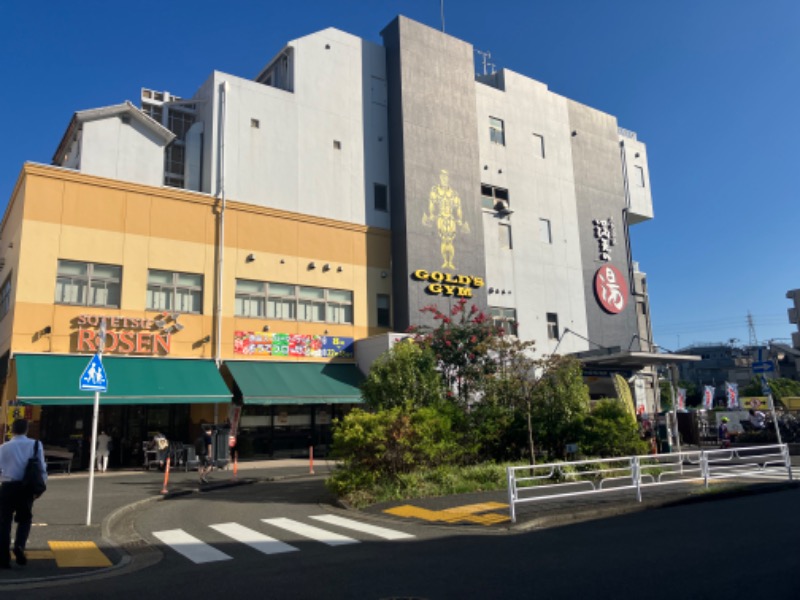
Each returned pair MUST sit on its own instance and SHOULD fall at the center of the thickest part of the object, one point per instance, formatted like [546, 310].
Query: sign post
[767, 391]
[94, 379]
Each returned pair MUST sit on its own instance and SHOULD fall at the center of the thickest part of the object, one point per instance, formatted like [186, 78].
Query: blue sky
[710, 86]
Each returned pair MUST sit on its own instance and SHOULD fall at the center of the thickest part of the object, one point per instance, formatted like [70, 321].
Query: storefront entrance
[70, 427]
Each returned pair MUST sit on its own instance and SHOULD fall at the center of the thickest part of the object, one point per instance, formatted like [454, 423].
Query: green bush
[377, 448]
[609, 430]
[358, 489]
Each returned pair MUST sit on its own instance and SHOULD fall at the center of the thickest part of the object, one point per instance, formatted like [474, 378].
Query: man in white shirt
[16, 498]
[757, 419]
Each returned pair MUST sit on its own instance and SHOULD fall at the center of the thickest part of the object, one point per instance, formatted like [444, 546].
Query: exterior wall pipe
[223, 110]
[223, 93]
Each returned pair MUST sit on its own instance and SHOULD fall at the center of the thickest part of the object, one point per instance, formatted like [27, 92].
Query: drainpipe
[223, 108]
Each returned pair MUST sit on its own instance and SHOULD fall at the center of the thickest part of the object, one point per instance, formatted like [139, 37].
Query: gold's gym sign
[447, 284]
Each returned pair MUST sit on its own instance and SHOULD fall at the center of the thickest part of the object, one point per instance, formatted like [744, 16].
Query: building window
[88, 284]
[154, 111]
[281, 302]
[311, 304]
[255, 123]
[288, 302]
[179, 122]
[505, 236]
[545, 235]
[337, 145]
[381, 197]
[494, 198]
[251, 299]
[639, 175]
[384, 311]
[496, 131]
[5, 297]
[176, 292]
[339, 306]
[552, 326]
[505, 318]
[538, 145]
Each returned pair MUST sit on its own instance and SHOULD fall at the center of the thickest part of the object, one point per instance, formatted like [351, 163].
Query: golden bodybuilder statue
[444, 209]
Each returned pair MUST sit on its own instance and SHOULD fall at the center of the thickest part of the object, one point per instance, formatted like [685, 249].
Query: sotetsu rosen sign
[611, 289]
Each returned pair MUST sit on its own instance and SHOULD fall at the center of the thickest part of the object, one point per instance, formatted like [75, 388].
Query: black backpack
[200, 446]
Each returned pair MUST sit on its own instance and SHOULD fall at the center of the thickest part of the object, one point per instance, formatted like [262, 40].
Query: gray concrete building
[494, 188]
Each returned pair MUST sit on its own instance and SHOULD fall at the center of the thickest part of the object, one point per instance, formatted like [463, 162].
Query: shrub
[378, 448]
[609, 430]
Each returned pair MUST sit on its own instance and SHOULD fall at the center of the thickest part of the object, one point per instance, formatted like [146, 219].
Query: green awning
[296, 383]
[53, 380]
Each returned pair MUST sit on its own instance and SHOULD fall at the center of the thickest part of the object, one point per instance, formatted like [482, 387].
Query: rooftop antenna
[441, 12]
[485, 56]
[751, 327]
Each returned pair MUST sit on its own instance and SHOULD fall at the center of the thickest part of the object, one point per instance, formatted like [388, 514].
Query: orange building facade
[290, 291]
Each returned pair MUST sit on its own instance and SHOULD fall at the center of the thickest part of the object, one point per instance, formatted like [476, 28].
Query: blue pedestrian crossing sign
[94, 377]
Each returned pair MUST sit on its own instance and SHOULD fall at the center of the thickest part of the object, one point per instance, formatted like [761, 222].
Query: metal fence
[545, 482]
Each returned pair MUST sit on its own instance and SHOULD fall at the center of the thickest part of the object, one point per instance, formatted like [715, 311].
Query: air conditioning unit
[501, 205]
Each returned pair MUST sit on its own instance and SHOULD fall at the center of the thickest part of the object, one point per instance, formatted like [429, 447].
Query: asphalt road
[704, 550]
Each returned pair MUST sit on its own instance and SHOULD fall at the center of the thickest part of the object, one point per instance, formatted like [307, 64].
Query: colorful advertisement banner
[708, 397]
[732, 394]
[248, 343]
[681, 399]
[756, 403]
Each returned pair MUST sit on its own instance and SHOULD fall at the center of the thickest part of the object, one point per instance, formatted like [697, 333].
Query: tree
[665, 389]
[461, 343]
[780, 387]
[515, 377]
[406, 376]
[560, 404]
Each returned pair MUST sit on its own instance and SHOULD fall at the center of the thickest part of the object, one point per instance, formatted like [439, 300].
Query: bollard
[166, 477]
[311, 460]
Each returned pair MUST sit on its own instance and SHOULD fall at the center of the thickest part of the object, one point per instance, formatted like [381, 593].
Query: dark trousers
[16, 503]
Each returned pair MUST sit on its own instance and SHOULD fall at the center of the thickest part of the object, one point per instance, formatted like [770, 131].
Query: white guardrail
[539, 483]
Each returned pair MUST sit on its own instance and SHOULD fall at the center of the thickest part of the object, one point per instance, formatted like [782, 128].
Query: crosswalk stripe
[381, 532]
[191, 547]
[309, 531]
[254, 539]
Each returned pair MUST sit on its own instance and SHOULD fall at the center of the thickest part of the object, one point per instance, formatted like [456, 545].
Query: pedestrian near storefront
[205, 453]
[16, 498]
[103, 449]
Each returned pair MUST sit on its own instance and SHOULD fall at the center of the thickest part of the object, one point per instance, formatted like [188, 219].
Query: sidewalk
[110, 542]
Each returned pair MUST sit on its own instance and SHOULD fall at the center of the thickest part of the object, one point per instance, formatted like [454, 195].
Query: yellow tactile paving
[78, 554]
[468, 513]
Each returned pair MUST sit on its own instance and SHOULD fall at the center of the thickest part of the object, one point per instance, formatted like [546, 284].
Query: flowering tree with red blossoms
[461, 341]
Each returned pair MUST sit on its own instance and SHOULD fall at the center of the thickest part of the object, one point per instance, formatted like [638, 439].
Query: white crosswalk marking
[254, 539]
[309, 531]
[188, 545]
[381, 532]
[200, 552]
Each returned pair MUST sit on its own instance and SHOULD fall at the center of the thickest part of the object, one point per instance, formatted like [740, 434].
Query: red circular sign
[611, 289]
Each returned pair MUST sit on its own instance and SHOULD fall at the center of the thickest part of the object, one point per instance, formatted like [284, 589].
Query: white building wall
[125, 151]
[638, 179]
[543, 277]
[291, 160]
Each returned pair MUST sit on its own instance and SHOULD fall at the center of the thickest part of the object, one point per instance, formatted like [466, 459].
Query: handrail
[529, 483]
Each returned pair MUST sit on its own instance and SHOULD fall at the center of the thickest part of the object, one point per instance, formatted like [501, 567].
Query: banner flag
[732, 394]
[681, 400]
[708, 397]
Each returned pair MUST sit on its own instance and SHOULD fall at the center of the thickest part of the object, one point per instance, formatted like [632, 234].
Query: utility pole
[751, 327]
